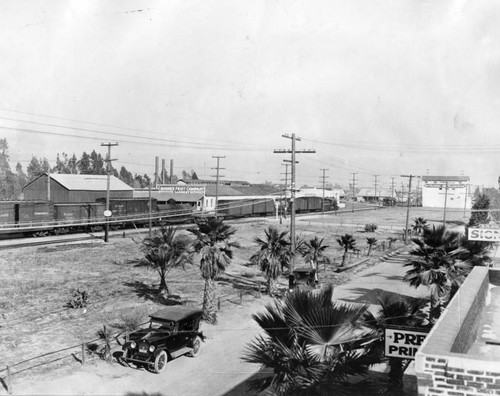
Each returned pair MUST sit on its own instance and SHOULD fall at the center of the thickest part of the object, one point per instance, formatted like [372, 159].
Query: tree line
[13, 181]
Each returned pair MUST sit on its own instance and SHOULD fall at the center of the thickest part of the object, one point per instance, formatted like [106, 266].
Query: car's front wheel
[196, 347]
[160, 362]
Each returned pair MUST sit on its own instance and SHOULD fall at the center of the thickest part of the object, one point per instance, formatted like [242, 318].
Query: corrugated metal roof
[89, 182]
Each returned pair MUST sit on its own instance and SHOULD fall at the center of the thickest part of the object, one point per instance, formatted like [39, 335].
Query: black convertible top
[175, 313]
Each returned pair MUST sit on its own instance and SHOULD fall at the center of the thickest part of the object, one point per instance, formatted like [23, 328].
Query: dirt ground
[37, 283]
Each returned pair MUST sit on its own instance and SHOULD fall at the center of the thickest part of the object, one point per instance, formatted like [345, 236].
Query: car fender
[158, 350]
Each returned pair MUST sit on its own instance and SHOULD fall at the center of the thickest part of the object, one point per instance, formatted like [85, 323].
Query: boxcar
[36, 213]
[77, 215]
[7, 213]
[174, 213]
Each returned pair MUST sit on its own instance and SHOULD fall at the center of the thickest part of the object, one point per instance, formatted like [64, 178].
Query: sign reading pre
[403, 343]
[484, 234]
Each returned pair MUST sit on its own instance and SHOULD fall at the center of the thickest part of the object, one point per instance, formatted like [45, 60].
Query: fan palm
[434, 264]
[371, 243]
[314, 253]
[347, 242]
[213, 245]
[310, 343]
[420, 225]
[395, 310]
[165, 250]
[273, 255]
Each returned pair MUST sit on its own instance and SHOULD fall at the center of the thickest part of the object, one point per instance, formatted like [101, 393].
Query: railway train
[42, 218]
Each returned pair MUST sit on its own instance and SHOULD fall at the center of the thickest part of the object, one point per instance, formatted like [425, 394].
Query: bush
[371, 227]
[80, 299]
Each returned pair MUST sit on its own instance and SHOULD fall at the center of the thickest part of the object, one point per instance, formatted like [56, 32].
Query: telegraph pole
[217, 181]
[445, 201]
[108, 182]
[408, 207]
[323, 178]
[353, 184]
[293, 151]
[283, 209]
[392, 191]
[376, 185]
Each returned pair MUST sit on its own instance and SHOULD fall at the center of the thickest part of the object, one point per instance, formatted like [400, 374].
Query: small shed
[65, 188]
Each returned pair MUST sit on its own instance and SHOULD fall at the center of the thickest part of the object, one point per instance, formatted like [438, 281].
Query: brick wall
[442, 364]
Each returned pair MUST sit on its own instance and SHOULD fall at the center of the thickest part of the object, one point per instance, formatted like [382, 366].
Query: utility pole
[376, 185]
[353, 185]
[408, 207]
[418, 190]
[284, 207]
[217, 181]
[108, 171]
[392, 191]
[445, 201]
[323, 180]
[293, 151]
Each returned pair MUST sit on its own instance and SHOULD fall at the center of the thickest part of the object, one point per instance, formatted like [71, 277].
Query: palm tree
[165, 250]
[311, 344]
[420, 225]
[434, 264]
[314, 253]
[215, 249]
[395, 310]
[273, 255]
[371, 242]
[347, 242]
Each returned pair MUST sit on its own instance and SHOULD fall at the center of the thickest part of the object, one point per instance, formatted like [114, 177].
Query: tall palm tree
[314, 253]
[420, 225]
[395, 310]
[347, 242]
[273, 255]
[215, 249]
[434, 264]
[165, 250]
[371, 243]
[310, 342]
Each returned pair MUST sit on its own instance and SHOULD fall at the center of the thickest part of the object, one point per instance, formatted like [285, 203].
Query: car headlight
[133, 345]
[152, 348]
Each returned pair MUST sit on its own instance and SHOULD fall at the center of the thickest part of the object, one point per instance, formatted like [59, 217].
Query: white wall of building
[457, 195]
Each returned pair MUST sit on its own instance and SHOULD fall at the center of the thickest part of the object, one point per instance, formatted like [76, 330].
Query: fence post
[83, 354]
[241, 297]
[218, 304]
[9, 381]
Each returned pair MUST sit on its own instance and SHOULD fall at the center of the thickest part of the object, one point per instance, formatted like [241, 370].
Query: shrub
[371, 227]
[80, 299]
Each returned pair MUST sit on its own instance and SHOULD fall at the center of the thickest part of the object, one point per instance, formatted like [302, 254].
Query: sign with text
[182, 189]
[484, 234]
[403, 343]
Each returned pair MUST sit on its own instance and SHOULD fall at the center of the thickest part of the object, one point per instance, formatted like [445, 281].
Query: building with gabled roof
[64, 188]
[449, 191]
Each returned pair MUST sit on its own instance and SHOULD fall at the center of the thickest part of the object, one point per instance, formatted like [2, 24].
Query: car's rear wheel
[196, 347]
[160, 362]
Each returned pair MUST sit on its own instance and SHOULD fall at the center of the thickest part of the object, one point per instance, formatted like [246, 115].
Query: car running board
[180, 352]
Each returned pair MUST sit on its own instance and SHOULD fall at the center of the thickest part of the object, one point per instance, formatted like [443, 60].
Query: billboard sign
[402, 342]
[484, 234]
[178, 189]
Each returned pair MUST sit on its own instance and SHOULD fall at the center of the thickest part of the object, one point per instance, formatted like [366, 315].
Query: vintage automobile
[172, 332]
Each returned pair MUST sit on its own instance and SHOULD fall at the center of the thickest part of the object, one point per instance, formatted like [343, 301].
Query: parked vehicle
[172, 332]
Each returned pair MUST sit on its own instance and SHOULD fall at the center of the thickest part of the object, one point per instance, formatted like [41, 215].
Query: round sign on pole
[107, 213]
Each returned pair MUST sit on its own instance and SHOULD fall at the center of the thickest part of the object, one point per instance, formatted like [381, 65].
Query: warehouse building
[62, 188]
[449, 191]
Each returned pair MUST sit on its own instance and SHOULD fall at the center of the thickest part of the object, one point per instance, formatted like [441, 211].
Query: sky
[385, 88]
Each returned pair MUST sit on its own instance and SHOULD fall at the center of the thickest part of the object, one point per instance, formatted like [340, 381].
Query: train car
[7, 213]
[78, 216]
[175, 213]
[308, 204]
[233, 209]
[264, 207]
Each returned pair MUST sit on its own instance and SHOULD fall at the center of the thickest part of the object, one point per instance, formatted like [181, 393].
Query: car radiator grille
[143, 348]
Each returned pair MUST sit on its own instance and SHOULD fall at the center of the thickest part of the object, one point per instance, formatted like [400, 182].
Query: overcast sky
[382, 88]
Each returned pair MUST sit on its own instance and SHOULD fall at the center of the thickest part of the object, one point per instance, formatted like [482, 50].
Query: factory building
[449, 191]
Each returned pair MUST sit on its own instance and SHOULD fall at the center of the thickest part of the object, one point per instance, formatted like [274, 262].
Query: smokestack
[171, 170]
[157, 165]
[163, 171]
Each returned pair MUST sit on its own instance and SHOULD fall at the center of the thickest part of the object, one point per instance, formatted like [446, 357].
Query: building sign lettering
[403, 343]
[182, 189]
[484, 234]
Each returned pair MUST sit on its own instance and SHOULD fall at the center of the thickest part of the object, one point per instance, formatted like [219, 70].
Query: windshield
[157, 325]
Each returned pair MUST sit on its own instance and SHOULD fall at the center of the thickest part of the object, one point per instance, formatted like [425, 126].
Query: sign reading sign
[484, 234]
[403, 343]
